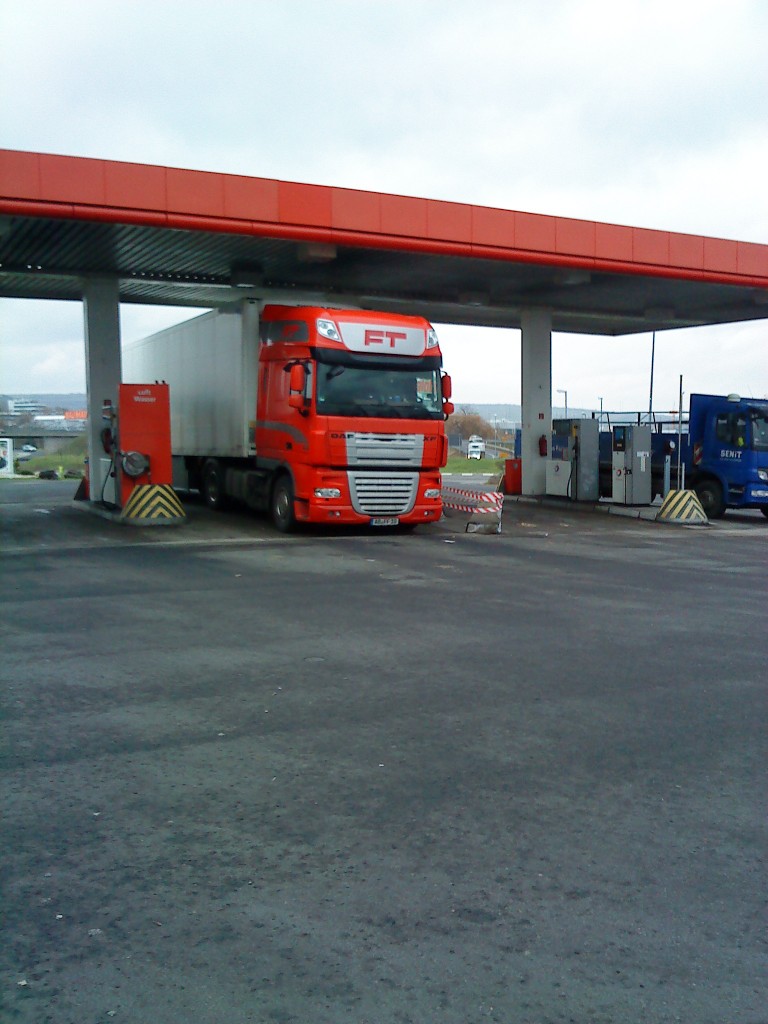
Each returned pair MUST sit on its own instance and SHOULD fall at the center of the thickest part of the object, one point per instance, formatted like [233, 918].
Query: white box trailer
[211, 366]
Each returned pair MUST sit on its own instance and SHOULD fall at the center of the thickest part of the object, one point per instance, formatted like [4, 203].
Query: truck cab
[728, 439]
[352, 406]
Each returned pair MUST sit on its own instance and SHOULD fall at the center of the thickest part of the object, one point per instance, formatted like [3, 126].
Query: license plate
[385, 521]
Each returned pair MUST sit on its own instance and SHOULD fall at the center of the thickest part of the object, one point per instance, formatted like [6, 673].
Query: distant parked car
[48, 474]
[28, 448]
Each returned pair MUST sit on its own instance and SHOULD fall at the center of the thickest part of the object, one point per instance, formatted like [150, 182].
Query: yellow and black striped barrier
[153, 505]
[682, 507]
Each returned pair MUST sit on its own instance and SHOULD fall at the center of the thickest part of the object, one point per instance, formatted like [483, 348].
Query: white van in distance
[475, 447]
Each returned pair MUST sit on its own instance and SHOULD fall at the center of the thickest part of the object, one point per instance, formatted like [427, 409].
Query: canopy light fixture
[247, 275]
[316, 252]
[571, 278]
[474, 298]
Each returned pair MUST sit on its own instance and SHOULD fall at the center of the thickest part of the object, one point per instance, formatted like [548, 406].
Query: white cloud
[485, 365]
[647, 112]
[41, 347]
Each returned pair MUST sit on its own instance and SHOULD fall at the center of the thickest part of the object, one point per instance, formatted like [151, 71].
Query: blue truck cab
[726, 452]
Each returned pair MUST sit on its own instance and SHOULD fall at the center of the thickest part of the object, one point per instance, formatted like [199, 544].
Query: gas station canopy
[181, 237]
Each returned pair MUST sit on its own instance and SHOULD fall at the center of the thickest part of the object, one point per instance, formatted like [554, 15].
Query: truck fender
[282, 469]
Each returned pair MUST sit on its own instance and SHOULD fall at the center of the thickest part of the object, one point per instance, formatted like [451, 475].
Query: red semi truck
[318, 415]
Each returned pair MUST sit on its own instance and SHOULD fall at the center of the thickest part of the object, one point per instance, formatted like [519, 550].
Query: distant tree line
[466, 422]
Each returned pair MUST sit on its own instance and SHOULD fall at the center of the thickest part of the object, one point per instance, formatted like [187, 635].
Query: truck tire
[710, 494]
[213, 492]
[281, 505]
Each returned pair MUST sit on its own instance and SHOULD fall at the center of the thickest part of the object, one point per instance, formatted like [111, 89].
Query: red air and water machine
[143, 436]
[137, 464]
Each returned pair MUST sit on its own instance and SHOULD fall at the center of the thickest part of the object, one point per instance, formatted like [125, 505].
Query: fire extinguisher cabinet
[513, 476]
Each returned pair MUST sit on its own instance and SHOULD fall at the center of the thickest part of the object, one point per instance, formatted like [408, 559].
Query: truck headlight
[431, 338]
[432, 492]
[763, 474]
[327, 492]
[328, 329]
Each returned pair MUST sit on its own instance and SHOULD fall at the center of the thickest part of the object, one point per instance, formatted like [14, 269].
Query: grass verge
[71, 459]
[486, 467]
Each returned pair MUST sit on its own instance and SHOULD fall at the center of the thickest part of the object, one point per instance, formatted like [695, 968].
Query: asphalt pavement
[381, 778]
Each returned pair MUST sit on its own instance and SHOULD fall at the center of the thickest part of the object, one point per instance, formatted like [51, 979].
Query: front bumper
[371, 497]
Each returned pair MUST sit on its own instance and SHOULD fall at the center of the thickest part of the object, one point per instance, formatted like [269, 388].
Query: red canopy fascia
[79, 188]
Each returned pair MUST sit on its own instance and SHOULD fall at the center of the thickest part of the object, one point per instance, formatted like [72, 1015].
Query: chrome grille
[369, 449]
[383, 494]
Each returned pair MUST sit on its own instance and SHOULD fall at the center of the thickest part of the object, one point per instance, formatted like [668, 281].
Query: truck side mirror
[447, 386]
[296, 385]
[298, 378]
[448, 408]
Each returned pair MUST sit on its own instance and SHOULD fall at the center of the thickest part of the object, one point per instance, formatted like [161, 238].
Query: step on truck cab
[319, 415]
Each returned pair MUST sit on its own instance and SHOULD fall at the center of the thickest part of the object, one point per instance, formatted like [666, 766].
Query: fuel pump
[631, 465]
[109, 487]
[573, 467]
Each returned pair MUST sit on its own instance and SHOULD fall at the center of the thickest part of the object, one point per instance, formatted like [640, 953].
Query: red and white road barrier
[475, 502]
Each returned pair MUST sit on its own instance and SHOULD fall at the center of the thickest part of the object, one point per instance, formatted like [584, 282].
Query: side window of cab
[731, 429]
[723, 428]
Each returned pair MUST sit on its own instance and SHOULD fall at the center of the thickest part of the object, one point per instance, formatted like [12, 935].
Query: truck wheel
[710, 494]
[213, 485]
[283, 515]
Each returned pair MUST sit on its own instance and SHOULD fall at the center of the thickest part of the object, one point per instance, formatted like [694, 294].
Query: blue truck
[724, 453]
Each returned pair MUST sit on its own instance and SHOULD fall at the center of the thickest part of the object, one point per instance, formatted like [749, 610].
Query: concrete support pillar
[536, 350]
[102, 372]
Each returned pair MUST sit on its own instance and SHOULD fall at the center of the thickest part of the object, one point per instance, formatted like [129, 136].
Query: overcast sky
[630, 111]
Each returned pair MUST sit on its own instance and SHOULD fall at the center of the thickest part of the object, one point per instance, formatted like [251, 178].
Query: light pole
[600, 421]
[562, 391]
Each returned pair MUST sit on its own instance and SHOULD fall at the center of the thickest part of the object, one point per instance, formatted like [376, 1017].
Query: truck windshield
[401, 393]
[759, 418]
